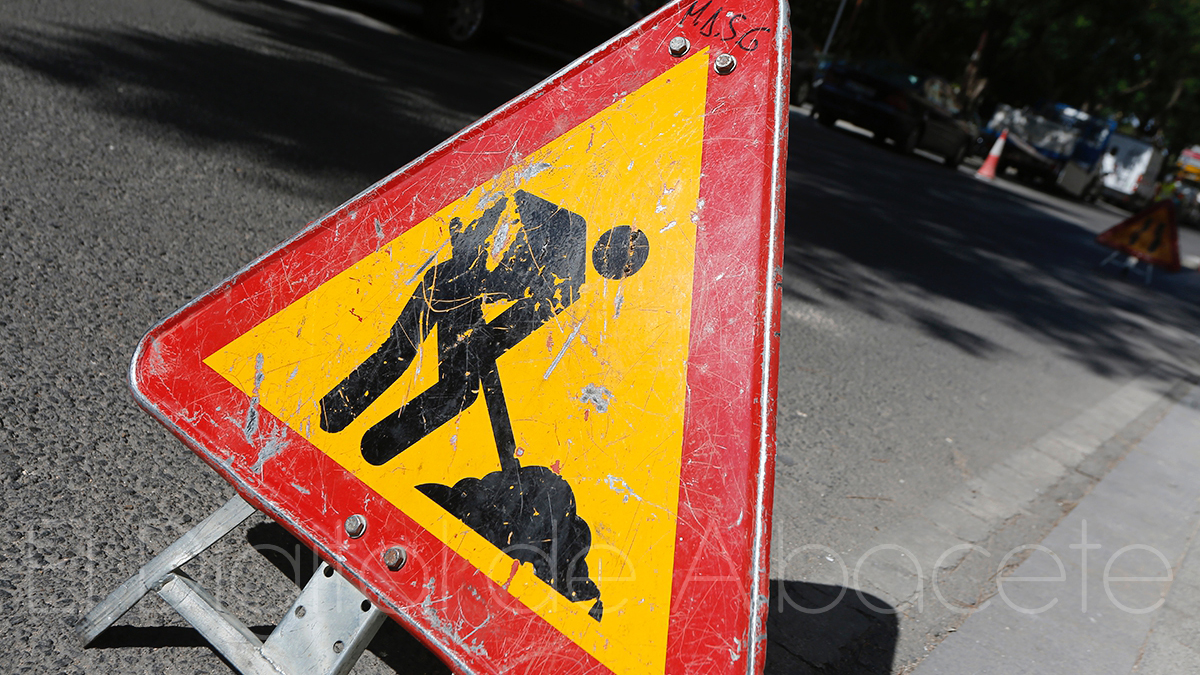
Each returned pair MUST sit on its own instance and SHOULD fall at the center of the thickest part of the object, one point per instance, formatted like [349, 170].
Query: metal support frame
[1130, 265]
[323, 633]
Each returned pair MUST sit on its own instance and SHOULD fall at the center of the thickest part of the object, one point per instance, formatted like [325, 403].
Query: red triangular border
[720, 582]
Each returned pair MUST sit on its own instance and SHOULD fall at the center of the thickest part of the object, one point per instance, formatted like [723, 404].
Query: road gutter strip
[1113, 583]
[912, 564]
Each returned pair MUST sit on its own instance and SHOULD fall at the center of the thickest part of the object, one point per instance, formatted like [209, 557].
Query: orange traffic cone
[988, 170]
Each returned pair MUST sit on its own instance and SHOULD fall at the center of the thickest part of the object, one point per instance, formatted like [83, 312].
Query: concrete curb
[1111, 588]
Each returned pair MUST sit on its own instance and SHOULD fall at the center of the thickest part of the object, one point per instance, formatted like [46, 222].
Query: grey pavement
[1114, 587]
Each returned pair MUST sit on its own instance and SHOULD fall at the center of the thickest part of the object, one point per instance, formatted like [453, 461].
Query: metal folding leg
[190, 545]
[1130, 264]
[323, 633]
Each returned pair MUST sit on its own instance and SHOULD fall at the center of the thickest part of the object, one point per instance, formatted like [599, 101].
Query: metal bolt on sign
[356, 526]
[394, 558]
[724, 64]
[679, 46]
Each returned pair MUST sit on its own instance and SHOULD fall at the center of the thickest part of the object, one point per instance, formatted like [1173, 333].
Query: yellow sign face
[529, 339]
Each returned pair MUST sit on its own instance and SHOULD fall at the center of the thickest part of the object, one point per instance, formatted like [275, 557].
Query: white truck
[1134, 172]
[1056, 143]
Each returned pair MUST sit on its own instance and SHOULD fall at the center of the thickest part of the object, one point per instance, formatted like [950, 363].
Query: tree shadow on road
[920, 235]
[811, 628]
[298, 87]
[817, 628]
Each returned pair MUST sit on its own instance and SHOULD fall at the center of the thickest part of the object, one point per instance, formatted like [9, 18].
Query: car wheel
[800, 92]
[952, 161]
[458, 22]
[825, 118]
[910, 141]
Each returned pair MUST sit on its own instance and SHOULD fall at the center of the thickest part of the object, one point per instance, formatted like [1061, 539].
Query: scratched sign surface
[516, 358]
[504, 349]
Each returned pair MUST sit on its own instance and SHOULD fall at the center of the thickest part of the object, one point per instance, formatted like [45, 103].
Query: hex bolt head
[395, 557]
[725, 64]
[356, 525]
[679, 46]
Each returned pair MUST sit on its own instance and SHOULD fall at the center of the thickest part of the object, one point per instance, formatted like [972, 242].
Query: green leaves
[1134, 61]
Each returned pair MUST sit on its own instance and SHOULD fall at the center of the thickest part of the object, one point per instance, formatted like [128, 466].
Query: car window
[952, 106]
[941, 94]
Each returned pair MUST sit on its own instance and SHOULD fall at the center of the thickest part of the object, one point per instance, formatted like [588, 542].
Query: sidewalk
[1114, 587]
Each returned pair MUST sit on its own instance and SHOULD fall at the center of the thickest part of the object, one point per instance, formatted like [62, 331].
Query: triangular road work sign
[1150, 235]
[540, 359]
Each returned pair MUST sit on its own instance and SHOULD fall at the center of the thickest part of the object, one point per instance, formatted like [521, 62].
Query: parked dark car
[574, 25]
[914, 108]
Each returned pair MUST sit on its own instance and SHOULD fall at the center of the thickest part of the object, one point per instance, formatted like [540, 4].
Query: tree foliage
[1137, 61]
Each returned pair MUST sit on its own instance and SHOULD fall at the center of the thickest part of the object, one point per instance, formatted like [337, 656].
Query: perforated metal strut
[323, 633]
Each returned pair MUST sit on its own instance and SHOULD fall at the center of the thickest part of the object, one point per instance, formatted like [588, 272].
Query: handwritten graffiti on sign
[511, 371]
[729, 26]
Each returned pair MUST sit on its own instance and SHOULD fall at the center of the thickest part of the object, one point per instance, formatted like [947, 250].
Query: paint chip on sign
[597, 396]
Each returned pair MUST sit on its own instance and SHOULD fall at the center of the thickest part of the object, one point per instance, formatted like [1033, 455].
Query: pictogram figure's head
[620, 252]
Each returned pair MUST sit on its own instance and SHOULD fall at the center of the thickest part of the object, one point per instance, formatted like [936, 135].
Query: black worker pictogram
[529, 512]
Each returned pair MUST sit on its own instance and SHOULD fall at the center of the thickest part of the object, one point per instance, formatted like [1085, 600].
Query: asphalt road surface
[933, 325]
